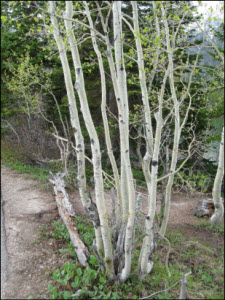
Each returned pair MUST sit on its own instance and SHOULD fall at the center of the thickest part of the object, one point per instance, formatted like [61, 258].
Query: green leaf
[102, 279]
[63, 250]
[66, 295]
[93, 260]
[79, 272]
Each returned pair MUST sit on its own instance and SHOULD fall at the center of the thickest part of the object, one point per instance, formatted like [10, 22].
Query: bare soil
[26, 208]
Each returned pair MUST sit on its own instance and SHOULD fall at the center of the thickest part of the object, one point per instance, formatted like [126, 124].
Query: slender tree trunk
[145, 259]
[117, 89]
[80, 149]
[164, 184]
[124, 120]
[95, 147]
[146, 107]
[142, 76]
[217, 217]
[103, 106]
[178, 127]
[176, 140]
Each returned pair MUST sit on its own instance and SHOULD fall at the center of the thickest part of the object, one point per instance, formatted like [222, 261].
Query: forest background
[37, 144]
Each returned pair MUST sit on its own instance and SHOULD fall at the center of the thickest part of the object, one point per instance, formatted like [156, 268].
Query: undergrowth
[72, 281]
[17, 162]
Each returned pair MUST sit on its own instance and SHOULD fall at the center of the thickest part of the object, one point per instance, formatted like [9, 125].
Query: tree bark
[66, 213]
[103, 106]
[126, 172]
[217, 217]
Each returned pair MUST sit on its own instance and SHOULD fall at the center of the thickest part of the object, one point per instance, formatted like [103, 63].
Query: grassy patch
[13, 159]
[215, 229]
[206, 264]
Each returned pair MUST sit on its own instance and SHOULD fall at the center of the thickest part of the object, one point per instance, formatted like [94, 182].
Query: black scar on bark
[98, 162]
[154, 163]
[79, 146]
[148, 218]
[121, 69]
[92, 141]
[78, 71]
[118, 99]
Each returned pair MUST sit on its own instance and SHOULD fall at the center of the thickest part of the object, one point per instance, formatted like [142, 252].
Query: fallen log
[66, 213]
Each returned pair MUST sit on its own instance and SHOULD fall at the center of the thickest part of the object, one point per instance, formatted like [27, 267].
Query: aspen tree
[115, 252]
[170, 45]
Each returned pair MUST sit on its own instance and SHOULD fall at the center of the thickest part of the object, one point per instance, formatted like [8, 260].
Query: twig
[156, 293]
[166, 290]
[13, 130]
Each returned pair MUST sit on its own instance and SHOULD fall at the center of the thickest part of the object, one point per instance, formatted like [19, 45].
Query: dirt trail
[26, 208]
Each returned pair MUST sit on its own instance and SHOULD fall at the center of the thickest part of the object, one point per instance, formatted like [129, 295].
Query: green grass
[215, 229]
[39, 173]
[12, 158]
[206, 264]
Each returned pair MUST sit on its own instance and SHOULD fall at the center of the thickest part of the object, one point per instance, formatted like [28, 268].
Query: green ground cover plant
[72, 281]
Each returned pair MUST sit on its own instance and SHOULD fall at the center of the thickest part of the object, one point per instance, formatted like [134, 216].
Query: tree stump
[204, 208]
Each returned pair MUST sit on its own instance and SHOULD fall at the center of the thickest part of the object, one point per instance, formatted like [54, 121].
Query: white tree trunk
[145, 259]
[123, 109]
[142, 76]
[177, 130]
[217, 217]
[103, 105]
[170, 43]
[147, 112]
[80, 149]
[115, 81]
[95, 147]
